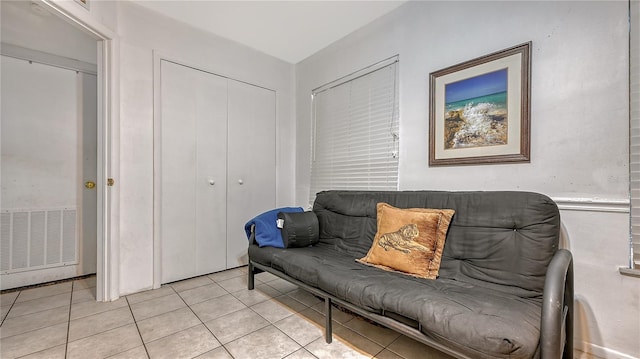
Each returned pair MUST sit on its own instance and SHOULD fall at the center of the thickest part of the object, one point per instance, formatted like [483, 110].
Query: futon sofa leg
[250, 277]
[327, 316]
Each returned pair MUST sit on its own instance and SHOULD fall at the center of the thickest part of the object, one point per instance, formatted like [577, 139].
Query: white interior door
[193, 144]
[252, 162]
[88, 86]
[42, 163]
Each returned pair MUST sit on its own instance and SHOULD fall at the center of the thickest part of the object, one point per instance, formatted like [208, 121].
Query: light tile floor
[212, 316]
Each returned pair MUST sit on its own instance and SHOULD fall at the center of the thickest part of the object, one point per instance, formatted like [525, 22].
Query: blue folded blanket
[267, 232]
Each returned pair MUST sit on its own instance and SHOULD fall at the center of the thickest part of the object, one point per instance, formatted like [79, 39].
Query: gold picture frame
[479, 110]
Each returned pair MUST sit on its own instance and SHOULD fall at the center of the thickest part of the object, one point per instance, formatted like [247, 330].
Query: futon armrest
[252, 237]
[556, 327]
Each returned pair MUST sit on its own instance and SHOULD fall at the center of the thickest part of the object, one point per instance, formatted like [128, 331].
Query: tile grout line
[343, 325]
[10, 307]
[246, 307]
[305, 349]
[201, 322]
[190, 279]
[284, 295]
[196, 315]
[267, 320]
[34, 329]
[363, 335]
[281, 294]
[280, 330]
[171, 311]
[221, 344]
[150, 290]
[137, 329]
[387, 347]
[15, 304]
[104, 331]
[66, 342]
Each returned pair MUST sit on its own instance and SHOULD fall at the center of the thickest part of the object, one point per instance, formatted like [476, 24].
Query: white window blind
[355, 136]
[634, 119]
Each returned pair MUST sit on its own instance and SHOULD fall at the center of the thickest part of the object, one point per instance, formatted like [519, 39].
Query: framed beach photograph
[479, 110]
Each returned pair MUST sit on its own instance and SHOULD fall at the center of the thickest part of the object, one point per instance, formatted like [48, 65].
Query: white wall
[47, 33]
[141, 32]
[579, 128]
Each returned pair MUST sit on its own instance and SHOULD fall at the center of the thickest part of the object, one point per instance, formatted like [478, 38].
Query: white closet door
[193, 169]
[252, 162]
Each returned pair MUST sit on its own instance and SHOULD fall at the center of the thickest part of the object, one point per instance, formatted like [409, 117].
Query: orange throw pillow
[409, 241]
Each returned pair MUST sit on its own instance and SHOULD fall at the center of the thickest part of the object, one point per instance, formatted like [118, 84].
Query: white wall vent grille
[36, 239]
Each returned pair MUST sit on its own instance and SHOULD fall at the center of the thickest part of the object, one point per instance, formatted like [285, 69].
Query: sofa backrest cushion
[501, 240]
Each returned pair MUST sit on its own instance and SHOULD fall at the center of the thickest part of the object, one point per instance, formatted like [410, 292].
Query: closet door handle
[212, 182]
[240, 181]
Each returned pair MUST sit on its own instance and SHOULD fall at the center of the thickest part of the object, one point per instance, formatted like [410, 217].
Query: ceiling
[288, 30]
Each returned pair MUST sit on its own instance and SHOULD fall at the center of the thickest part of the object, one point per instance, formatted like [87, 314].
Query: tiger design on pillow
[402, 240]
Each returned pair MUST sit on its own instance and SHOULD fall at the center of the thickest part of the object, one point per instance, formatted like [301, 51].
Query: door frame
[108, 143]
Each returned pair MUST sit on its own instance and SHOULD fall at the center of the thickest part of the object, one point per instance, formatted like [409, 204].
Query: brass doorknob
[90, 184]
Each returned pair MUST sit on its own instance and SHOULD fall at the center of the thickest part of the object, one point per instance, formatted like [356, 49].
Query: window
[355, 131]
[634, 121]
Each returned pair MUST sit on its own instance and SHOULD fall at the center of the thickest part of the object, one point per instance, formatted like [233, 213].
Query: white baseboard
[37, 276]
[595, 351]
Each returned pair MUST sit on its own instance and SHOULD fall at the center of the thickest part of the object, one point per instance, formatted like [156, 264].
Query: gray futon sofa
[504, 290]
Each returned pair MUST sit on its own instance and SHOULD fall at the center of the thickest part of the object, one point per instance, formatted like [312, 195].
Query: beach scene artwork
[476, 111]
